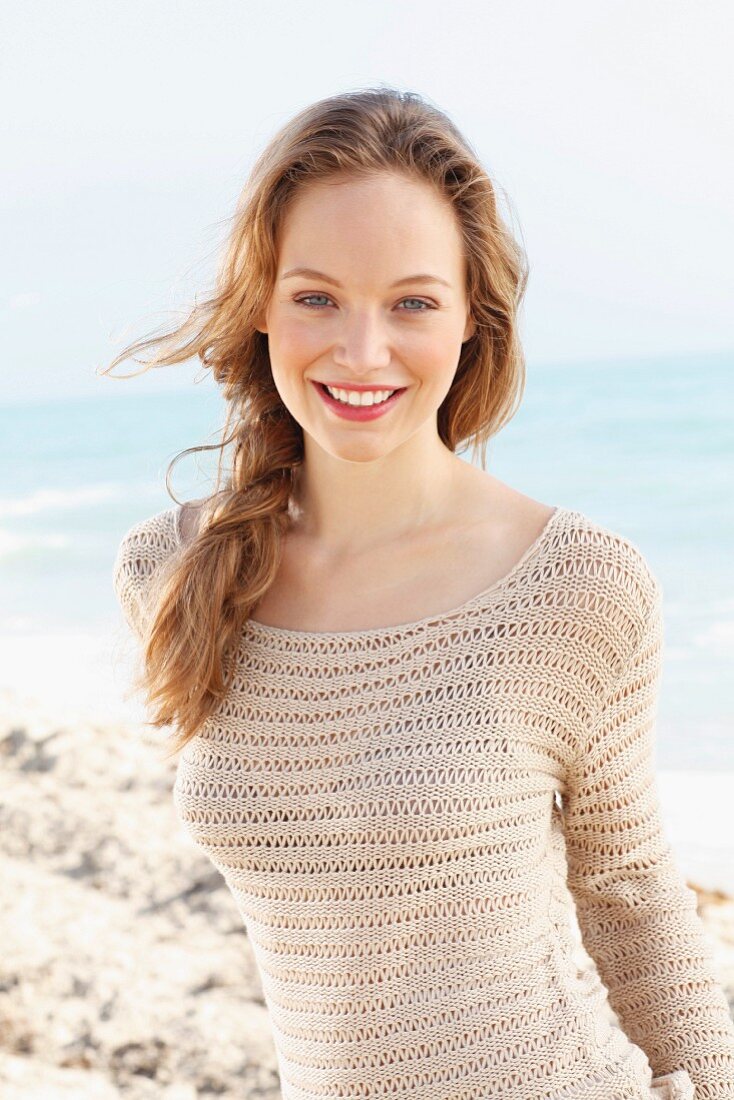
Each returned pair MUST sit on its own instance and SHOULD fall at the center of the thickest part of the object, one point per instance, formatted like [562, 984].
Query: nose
[362, 344]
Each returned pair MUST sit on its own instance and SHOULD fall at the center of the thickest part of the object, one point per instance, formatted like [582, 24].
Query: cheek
[293, 340]
[432, 355]
[290, 358]
[293, 350]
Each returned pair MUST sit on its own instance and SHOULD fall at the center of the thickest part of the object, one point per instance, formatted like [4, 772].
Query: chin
[355, 450]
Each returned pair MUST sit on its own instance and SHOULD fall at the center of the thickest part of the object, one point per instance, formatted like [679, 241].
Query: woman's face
[382, 306]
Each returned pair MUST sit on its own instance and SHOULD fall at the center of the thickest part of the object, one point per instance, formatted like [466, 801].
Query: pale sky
[130, 127]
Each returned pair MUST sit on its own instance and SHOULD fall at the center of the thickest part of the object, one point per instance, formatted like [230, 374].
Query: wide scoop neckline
[438, 618]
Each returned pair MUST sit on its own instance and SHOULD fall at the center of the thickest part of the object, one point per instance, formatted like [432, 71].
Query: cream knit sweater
[405, 815]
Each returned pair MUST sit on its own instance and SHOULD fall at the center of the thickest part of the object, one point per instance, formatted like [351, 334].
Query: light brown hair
[233, 558]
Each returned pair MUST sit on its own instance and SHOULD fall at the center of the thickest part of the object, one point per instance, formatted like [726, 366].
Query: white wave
[46, 500]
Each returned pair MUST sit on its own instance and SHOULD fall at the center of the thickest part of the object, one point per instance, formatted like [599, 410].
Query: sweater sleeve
[637, 916]
[140, 555]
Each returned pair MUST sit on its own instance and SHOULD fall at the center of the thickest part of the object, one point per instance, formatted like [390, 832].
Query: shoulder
[142, 551]
[586, 553]
[600, 551]
[605, 573]
[150, 540]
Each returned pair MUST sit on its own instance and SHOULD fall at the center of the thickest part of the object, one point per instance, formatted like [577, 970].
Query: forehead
[382, 219]
[383, 208]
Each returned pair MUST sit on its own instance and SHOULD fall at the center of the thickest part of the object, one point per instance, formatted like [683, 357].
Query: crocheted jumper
[406, 816]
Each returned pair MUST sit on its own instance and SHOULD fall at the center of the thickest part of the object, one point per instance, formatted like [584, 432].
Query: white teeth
[352, 397]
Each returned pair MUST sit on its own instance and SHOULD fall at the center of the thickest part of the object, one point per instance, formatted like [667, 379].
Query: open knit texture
[405, 815]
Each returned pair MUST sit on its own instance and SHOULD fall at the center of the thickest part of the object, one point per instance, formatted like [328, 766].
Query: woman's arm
[637, 917]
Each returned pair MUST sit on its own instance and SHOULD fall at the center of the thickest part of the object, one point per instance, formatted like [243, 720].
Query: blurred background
[607, 129]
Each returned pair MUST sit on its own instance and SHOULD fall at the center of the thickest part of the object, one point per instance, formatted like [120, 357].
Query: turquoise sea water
[646, 448]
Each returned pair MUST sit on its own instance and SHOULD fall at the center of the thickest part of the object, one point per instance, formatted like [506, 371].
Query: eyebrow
[310, 273]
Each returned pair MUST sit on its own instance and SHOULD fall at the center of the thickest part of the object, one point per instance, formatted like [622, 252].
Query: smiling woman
[438, 733]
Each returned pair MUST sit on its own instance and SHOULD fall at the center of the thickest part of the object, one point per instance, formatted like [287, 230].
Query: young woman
[414, 706]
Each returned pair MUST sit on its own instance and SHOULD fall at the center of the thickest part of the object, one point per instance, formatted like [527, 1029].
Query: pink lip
[356, 412]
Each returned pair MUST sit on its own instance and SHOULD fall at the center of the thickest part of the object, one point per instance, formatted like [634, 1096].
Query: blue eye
[309, 305]
[305, 301]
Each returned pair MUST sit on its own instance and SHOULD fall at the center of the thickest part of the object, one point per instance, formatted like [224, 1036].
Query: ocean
[645, 447]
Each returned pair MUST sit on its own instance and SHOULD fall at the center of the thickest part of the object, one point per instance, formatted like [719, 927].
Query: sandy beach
[126, 969]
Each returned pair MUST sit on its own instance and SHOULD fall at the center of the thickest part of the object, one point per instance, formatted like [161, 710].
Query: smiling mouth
[355, 409]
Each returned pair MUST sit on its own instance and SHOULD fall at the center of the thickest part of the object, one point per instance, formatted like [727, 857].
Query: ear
[469, 329]
[260, 323]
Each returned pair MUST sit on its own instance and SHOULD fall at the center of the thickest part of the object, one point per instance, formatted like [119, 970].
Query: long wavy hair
[222, 572]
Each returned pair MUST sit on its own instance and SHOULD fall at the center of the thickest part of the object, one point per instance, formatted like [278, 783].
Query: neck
[350, 507]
